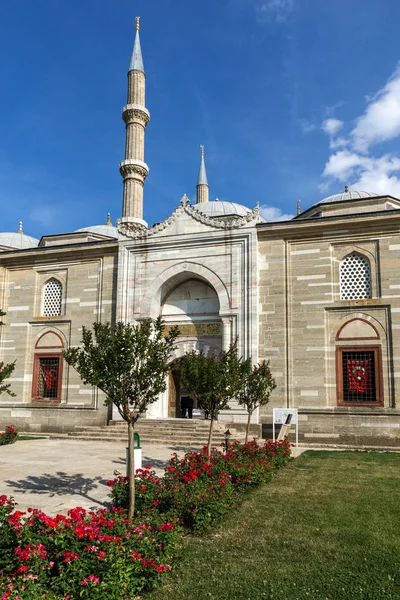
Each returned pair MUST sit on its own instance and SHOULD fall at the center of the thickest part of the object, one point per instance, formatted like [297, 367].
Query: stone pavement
[56, 475]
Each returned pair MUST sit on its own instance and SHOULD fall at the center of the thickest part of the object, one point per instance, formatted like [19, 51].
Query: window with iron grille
[47, 377]
[52, 298]
[355, 277]
[359, 376]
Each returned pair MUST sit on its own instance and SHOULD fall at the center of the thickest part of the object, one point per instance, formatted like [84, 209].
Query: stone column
[226, 332]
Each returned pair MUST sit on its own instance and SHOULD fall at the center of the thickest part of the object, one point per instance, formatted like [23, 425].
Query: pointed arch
[172, 277]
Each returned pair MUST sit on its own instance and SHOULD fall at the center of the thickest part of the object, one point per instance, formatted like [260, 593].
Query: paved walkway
[56, 475]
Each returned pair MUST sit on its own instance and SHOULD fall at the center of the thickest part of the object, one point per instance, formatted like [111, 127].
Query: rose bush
[86, 554]
[9, 436]
[199, 489]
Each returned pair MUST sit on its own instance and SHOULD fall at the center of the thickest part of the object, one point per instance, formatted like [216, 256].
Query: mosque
[318, 296]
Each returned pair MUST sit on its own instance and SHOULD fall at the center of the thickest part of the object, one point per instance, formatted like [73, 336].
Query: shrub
[99, 554]
[200, 489]
[9, 436]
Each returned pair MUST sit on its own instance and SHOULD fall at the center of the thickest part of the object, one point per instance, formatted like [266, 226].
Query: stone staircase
[172, 432]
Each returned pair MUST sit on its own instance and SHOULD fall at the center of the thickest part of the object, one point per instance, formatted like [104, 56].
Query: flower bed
[197, 489]
[9, 436]
[102, 554]
[98, 554]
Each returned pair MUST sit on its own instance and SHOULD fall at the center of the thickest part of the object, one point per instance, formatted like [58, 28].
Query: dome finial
[108, 222]
[346, 189]
[137, 20]
[20, 227]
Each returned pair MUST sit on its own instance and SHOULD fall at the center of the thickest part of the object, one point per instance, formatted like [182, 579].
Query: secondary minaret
[202, 183]
[136, 116]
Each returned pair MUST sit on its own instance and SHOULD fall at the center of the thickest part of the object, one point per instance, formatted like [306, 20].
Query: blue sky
[292, 99]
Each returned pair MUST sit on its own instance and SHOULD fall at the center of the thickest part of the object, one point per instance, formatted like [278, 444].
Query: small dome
[348, 196]
[108, 230]
[222, 209]
[18, 240]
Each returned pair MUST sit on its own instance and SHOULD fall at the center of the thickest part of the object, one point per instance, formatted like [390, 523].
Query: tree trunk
[131, 471]
[210, 436]
[247, 428]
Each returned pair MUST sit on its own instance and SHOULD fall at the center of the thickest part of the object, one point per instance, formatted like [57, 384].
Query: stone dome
[222, 209]
[108, 230]
[347, 195]
[18, 240]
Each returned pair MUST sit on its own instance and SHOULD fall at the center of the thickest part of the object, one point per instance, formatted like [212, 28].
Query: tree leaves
[129, 363]
[5, 370]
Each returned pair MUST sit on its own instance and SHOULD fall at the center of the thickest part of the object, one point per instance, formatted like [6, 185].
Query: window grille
[52, 298]
[359, 383]
[355, 278]
[48, 378]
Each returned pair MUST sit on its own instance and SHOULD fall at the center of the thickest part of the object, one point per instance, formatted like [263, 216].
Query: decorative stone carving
[133, 170]
[184, 201]
[198, 216]
[197, 329]
[131, 228]
[130, 115]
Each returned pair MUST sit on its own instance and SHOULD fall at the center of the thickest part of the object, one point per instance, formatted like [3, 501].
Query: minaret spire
[136, 116]
[137, 59]
[202, 182]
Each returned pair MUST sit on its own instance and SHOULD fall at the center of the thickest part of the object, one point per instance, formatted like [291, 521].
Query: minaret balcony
[132, 168]
[135, 112]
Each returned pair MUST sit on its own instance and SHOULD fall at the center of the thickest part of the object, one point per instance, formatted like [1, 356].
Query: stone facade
[87, 274]
[317, 296]
[304, 324]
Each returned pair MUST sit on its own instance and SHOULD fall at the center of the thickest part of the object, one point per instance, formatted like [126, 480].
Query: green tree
[129, 363]
[212, 379]
[257, 384]
[5, 370]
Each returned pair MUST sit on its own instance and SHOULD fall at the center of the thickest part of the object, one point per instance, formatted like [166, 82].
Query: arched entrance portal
[194, 307]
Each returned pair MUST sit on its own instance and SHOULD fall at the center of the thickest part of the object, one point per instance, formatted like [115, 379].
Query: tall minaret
[136, 116]
[202, 183]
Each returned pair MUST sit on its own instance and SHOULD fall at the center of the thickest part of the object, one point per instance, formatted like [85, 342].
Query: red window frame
[36, 372]
[377, 372]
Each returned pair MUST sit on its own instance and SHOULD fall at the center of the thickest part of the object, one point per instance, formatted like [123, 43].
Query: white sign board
[282, 416]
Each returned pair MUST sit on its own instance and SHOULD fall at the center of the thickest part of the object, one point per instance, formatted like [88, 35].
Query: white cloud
[332, 126]
[342, 164]
[306, 126]
[380, 175]
[381, 120]
[339, 142]
[276, 9]
[352, 161]
[273, 213]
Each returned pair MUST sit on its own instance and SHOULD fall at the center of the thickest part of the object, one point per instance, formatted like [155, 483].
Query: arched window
[52, 298]
[47, 368]
[355, 277]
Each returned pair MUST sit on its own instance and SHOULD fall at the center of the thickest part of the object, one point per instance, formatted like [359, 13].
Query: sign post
[285, 417]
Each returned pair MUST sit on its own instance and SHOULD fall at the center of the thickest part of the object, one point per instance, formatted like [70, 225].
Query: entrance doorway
[180, 402]
[174, 395]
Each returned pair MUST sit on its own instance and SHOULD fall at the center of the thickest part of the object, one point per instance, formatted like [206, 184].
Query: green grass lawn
[327, 528]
